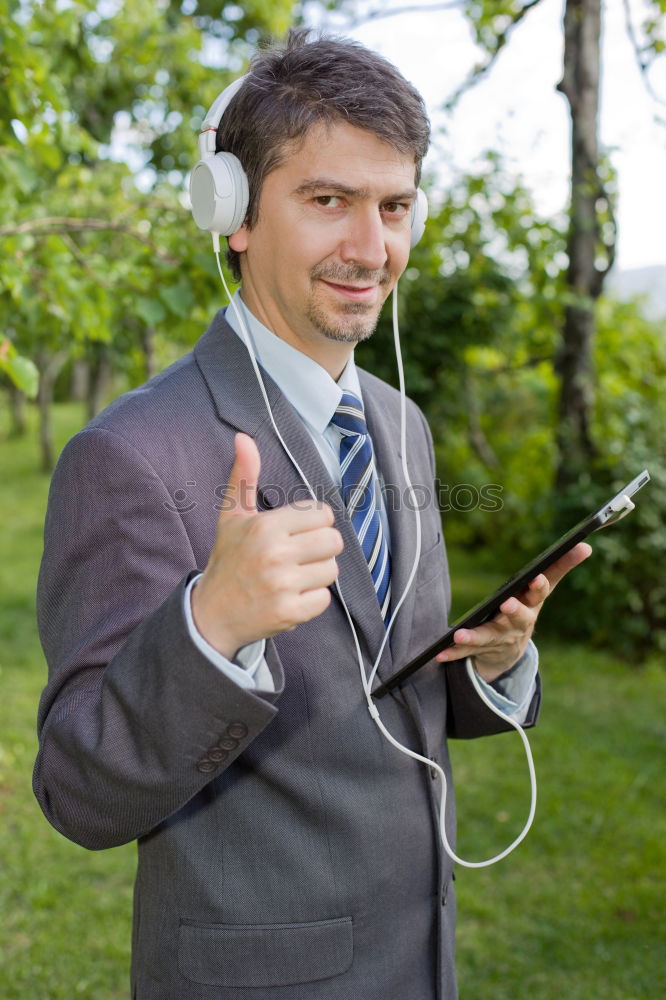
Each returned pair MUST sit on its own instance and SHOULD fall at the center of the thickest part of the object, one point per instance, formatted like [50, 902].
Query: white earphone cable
[366, 680]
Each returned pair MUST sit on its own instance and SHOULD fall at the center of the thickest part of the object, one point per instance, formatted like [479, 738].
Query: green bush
[618, 599]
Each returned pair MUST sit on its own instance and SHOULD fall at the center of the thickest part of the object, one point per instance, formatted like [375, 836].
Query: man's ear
[238, 241]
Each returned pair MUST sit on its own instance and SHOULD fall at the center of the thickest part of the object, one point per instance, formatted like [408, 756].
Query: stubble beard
[344, 330]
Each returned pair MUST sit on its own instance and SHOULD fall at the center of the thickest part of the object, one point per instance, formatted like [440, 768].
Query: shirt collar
[308, 387]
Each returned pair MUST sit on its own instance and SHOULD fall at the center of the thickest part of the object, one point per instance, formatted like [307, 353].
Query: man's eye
[396, 208]
[328, 200]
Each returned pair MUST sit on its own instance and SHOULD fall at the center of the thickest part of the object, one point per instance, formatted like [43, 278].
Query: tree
[592, 229]
[587, 267]
[95, 260]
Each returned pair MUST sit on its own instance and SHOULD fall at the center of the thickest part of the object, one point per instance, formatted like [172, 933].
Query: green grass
[576, 912]
[65, 929]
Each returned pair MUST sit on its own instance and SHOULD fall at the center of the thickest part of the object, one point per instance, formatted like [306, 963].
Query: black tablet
[609, 513]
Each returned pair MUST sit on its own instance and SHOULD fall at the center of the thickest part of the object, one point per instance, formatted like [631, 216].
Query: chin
[348, 335]
[353, 326]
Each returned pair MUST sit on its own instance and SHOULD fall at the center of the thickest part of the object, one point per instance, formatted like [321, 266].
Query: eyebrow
[331, 184]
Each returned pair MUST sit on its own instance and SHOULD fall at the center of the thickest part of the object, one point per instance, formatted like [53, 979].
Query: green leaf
[22, 372]
[151, 311]
[179, 299]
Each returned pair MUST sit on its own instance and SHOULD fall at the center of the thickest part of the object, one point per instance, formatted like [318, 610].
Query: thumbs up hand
[268, 571]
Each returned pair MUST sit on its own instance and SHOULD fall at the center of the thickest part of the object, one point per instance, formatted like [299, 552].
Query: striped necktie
[359, 492]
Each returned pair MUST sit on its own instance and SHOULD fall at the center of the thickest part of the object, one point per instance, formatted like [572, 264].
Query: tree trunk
[49, 365]
[574, 364]
[18, 426]
[99, 378]
[148, 348]
[477, 438]
[80, 380]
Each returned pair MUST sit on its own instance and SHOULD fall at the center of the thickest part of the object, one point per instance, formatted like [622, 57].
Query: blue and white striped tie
[359, 486]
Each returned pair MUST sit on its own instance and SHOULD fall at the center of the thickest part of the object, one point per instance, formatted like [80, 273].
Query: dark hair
[313, 80]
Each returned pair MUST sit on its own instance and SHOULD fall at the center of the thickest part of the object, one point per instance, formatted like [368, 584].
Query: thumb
[240, 496]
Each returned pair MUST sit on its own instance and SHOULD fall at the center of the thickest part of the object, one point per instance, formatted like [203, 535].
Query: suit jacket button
[205, 765]
[227, 743]
[237, 730]
[217, 753]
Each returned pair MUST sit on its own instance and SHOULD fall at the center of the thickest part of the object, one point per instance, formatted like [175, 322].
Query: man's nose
[365, 241]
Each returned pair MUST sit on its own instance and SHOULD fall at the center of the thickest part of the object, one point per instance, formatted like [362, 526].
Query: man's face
[331, 239]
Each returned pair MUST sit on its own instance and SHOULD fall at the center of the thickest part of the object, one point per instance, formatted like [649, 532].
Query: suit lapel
[227, 369]
[384, 426]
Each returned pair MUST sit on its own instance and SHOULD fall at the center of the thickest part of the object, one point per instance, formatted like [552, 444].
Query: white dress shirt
[315, 397]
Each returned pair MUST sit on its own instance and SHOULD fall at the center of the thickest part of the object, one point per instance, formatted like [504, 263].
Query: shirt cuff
[250, 671]
[512, 693]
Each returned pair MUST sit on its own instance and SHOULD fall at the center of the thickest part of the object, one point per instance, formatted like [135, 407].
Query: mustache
[343, 274]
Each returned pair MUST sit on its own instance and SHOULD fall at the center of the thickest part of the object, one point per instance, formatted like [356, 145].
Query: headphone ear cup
[219, 194]
[419, 216]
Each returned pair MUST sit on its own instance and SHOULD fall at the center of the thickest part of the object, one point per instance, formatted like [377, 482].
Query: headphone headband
[211, 122]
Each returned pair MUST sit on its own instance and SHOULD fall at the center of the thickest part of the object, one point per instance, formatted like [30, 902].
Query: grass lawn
[65, 911]
[576, 913]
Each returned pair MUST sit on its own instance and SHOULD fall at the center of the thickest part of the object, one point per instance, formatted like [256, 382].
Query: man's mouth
[356, 293]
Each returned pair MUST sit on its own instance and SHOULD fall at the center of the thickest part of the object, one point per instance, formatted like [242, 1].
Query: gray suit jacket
[286, 850]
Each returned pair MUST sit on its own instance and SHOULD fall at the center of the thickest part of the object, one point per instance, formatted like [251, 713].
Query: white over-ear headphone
[218, 186]
[219, 190]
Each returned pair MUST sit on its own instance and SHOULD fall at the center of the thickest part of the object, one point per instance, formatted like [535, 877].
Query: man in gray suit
[204, 693]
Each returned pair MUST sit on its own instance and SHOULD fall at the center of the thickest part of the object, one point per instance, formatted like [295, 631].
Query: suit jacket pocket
[264, 955]
[432, 564]
[432, 599]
